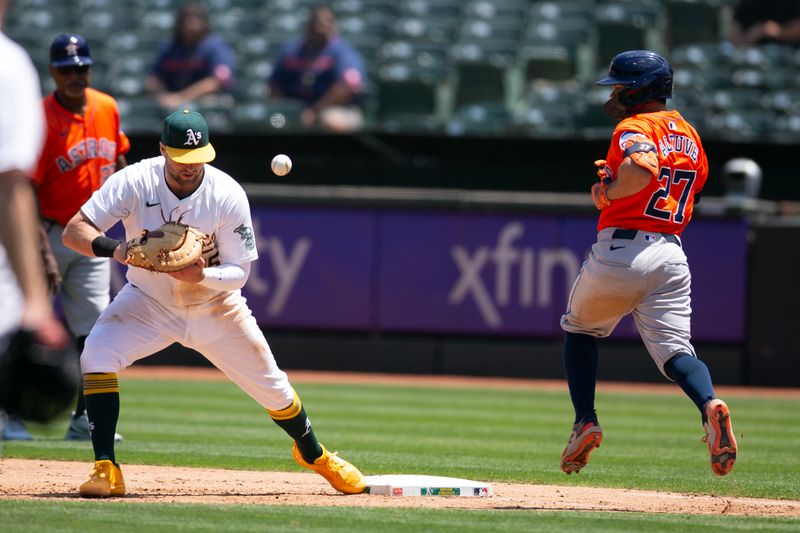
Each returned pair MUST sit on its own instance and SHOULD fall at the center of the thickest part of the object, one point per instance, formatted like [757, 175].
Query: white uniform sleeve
[235, 239]
[22, 118]
[226, 277]
[112, 201]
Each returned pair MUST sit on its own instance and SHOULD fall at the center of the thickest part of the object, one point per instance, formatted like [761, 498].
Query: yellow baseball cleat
[105, 481]
[343, 476]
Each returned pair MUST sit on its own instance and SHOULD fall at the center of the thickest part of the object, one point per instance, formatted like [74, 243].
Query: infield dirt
[20, 478]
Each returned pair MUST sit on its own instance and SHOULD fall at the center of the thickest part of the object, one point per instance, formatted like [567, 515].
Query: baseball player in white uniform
[25, 302]
[200, 307]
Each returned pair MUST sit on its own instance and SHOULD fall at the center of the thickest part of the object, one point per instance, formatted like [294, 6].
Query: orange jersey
[79, 154]
[665, 205]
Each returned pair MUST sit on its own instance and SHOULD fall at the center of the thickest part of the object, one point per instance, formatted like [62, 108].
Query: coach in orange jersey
[84, 145]
[650, 179]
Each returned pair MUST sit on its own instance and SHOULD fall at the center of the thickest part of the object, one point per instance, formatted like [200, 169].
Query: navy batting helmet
[69, 49]
[645, 75]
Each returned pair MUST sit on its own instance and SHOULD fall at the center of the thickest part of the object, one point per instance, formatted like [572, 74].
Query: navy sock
[580, 367]
[693, 377]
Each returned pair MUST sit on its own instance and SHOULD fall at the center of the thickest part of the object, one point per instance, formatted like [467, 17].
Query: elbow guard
[643, 154]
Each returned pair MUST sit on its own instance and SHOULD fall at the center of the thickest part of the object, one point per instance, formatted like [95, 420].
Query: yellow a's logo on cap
[193, 137]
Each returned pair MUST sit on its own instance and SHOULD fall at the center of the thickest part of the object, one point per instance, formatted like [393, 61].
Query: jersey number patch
[667, 178]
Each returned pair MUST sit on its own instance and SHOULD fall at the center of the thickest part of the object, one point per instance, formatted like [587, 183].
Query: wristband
[103, 246]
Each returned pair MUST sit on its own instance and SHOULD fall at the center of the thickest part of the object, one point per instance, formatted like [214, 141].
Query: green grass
[79, 517]
[650, 442]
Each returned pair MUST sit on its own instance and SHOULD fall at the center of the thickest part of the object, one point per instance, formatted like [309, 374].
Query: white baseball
[281, 165]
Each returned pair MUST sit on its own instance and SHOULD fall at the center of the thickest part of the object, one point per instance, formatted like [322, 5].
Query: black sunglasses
[77, 69]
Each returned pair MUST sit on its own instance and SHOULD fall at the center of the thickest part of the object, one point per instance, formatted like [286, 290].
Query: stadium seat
[361, 7]
[265, 117]
[580, 10]
[430, 8]
[490, 9]
[140, 114]
[482, 81]
[739, 124]
[441, 30]
[558, 50]
[480, 118]
[694, 21]
[738, 98]
[408, 98]
[549, 108]
[629, 25]
[590, 120]
[499, 28]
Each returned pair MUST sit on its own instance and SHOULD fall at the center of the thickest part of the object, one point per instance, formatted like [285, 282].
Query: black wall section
[526, 164]
[773, 346]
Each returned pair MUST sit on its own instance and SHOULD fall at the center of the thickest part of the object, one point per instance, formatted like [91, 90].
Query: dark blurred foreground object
[36, 382]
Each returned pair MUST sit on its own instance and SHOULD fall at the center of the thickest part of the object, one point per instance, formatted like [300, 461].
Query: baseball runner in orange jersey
[84, 145]
[653, 173]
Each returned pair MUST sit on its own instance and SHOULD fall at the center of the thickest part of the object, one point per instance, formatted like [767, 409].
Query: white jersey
[138, 196]
[21, 137]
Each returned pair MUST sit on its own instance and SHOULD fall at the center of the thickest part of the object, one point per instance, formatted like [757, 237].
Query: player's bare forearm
[79, 234]
[631, 178]
[18, 231]
[191, 274]
[339, 93]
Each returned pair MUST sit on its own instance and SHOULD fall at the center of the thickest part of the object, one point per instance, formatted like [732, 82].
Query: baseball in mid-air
[281, 164]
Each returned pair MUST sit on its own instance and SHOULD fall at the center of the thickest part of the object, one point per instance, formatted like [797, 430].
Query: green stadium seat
[549, 108]
[441, 30]
[580, 10]
[628, 26]
[738, 124]
[490, 9]
[408, 98]
[481, 118]
[482, 81]
[140, 114]
[273, 116]
[430, 8]
[591, 121]
[694, 21]
[558, 50]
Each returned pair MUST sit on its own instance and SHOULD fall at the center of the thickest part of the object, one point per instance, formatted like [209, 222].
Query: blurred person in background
[742, 180]
[195, 63]
[759, 22]
[25, 304]
[324, 72]
[84, 145]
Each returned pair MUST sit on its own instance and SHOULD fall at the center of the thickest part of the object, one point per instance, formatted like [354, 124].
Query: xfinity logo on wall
[521, 275]
[286, 264]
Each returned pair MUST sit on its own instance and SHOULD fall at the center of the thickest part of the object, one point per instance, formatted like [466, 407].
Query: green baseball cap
[186, 139]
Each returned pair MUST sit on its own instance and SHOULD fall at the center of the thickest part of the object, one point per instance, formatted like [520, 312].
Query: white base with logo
[412, 485]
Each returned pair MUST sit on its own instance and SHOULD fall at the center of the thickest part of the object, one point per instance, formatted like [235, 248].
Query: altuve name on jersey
[678, 143]
[86, 149]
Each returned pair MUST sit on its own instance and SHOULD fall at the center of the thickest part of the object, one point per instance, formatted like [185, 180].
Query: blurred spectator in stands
[325, 72]
[742, 179]
[759, 22]
[194, 63]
